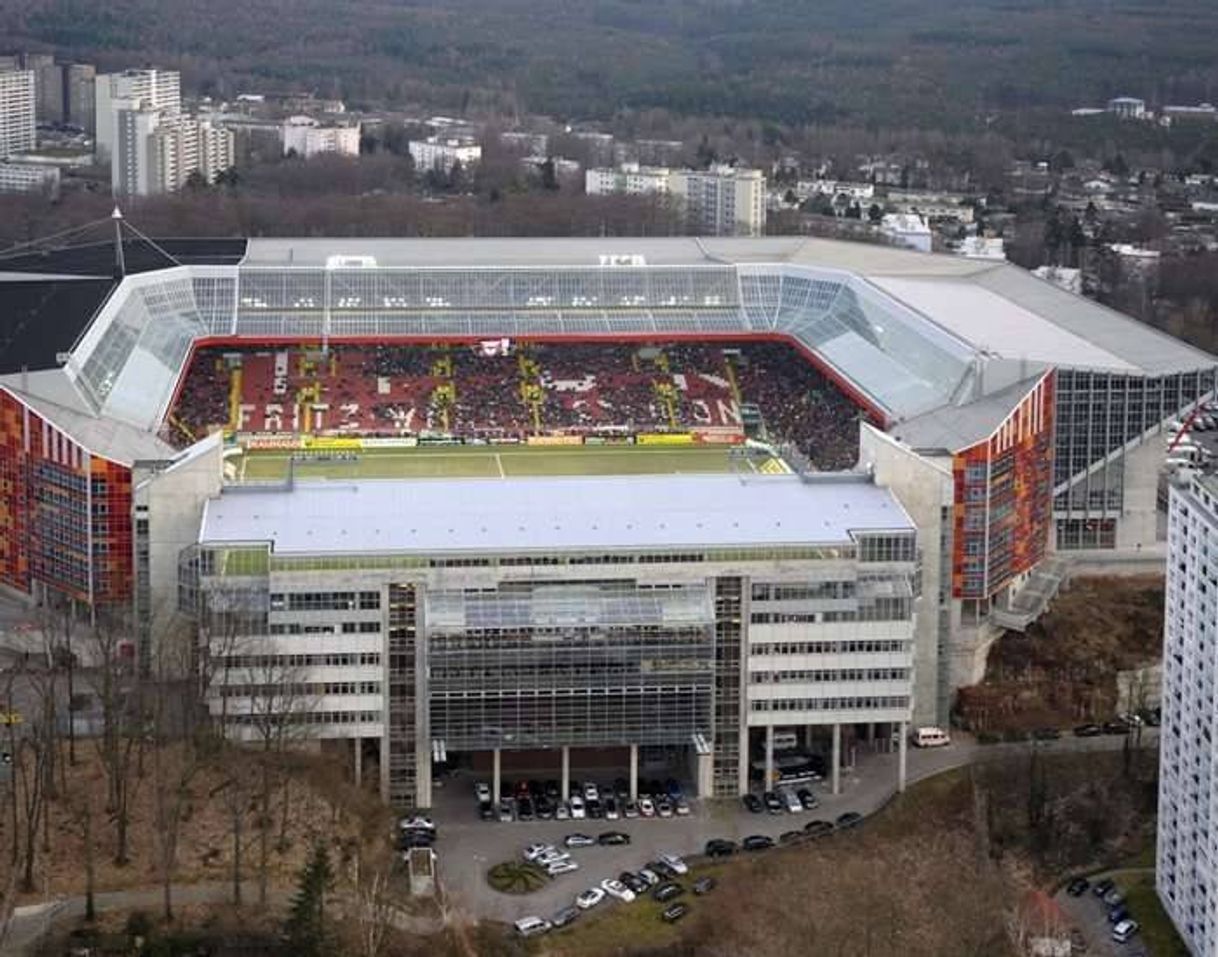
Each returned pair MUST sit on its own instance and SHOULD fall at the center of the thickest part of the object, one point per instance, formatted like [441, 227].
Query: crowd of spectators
[586, 387]
[799, 405]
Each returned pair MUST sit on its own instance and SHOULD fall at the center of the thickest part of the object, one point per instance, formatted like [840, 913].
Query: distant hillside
[895, 63]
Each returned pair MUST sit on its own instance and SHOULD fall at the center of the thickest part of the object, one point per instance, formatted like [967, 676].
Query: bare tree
[374, 909]
[31, 758]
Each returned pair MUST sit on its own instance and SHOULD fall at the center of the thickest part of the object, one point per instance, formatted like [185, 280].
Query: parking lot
[1089, 914]
[467, 846]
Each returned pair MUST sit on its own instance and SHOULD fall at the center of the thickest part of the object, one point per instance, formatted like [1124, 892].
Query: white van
[930, 738]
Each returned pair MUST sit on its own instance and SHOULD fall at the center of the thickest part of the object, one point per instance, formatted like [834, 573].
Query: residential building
[721, 201]
[442, 154]
[80, 80]
[907, 229]
[1188, 741]
[1127, 107]
[308, 137]
[158, 90]
[28, 177]
[17, 111]
[158, 152]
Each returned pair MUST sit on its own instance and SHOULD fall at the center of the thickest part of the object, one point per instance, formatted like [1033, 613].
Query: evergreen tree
[306, 927]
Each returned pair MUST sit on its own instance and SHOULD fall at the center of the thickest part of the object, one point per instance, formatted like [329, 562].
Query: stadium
[623, 500]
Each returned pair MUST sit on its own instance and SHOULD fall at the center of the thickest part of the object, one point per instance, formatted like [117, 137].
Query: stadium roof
[966, 425]
[432, 516]
[40, 319]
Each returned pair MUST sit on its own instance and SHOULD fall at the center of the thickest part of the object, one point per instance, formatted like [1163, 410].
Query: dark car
[704, 885]
[524, 809]
[1078, 887]
[536, 789]
[674, 913]
[610, 838]
[1118, 914]
[419, 838]
[1151, 717]
[720, 847]
[1046, 734]
[1088, 731]
[1100, 888]
[672, 787]
[663, 869]
[552, 790]
[773, 803]
[807, 799]
[486, 811]
[633, 881]
[545, 808]
[753, 803]
[848, 820]
[757, 842]
[667, 891]
[817, 829]
[791, 837]
[1116, 726]
[594, 809]
[568, 915]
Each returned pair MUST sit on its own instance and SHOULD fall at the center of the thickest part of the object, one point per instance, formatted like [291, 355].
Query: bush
[988, 737]
[512, 877]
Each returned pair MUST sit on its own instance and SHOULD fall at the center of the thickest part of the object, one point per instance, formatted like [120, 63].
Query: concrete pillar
[902, 744]
[705, 775]
[634, 772]
[566, 773]
[769, 757]
[495, 774]
[837, 759]
[359, 761]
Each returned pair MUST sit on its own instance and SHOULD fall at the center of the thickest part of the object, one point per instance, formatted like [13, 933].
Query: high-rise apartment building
[721, 201]
[132, 89]
[157, 152]
[17, 111]
[1188, 763]
[80, 96]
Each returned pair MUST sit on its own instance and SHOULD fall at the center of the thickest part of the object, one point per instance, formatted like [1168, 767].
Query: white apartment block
[439, 154]
[17, 113]
[27, 177]
[1187, 851]
[629, 178]
[307, 137]
[132, 89]
[721, 201]
[157, 152]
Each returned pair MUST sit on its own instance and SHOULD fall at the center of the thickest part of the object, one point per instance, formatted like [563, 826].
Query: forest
[879, 63]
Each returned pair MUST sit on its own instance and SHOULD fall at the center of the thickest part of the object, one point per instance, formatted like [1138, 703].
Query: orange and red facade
[65, 512]
[1003, 498]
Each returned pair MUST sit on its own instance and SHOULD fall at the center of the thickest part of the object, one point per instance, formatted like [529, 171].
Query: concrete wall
[924, 487]
[1138, 524]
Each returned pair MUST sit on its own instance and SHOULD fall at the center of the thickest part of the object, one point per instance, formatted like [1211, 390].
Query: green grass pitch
[493, 462]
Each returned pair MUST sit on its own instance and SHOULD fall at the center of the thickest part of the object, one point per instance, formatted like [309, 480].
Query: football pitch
[494, 462]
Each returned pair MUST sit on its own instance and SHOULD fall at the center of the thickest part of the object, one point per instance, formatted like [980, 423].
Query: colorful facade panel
[65, 513]
[1003, 498]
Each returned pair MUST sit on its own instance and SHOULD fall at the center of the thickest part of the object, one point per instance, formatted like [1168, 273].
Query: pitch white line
[499, 462]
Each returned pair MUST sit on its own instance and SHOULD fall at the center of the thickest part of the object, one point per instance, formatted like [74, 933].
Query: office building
[1188, 743]
[158, 90]
[442, 154]
[307, 137]
[17, 111]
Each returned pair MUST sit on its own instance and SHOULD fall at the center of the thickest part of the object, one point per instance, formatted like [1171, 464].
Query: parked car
[505, 811]
[611, 810]
[545, 808]
[561, 867]
[486, 811]
[720, 847]
[524, 809]
[562, 811]
[617, 889]
[816, 829]
[646, 808]
[633, 881]
[772, 802]
[674, 913]
[1088, 731]
[667, 891]
[793, 804]
[1046, 734]
[1116, 726]
[791, 837]
[579, 840]
[1078, 887]
[1118, 914]
[681, 807]
[589, 898]
[1124, 931]
[752, 803]
[807, 799]
[568, 915]
[631, 809]
[650, 876]
[578, 813]
[550, 856]
[482, 791]
[591, 792]
[594, 809]
[1103, 887]
[1114, 897]
[757, 842]
[847, 820]
[534, 851]
[704, 885]
[532, 926]
[416, 822]
[611, 838]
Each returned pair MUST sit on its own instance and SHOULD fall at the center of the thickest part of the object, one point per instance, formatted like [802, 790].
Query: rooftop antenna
[120, 263]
